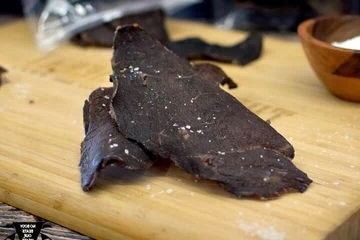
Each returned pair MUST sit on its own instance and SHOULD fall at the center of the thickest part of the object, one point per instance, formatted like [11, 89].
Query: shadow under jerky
[103, 144]
[2, 72]
[178, 114]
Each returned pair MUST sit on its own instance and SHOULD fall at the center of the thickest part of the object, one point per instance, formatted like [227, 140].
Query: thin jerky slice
[102, 36]
[2, 72]
[102, 96]
[242, 53]
[173, 112]
[103, 143]
[214, 74]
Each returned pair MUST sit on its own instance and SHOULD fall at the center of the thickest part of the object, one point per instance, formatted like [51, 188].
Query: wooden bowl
[337, 68]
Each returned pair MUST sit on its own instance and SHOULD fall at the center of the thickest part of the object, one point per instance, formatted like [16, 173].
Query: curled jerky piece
[242, 53]
[103, 35]
[175, 113]
[103, 143]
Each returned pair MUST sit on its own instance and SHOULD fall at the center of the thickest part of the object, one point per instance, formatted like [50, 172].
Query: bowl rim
[303, 32]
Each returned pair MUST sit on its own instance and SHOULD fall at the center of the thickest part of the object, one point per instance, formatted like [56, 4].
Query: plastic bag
[54, 21]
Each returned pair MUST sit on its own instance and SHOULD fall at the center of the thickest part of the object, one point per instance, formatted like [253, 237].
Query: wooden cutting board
[41, 130]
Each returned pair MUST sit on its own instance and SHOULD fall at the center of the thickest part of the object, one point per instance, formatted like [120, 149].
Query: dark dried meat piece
[215, 74]
[242, 53]
[152, 21]
[103, 143]
[91, 164]
[175, 113]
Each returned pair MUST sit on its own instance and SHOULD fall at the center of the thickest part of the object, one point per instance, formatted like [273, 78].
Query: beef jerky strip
[214, 74]
[102, 36]
[91, 165]
[241, 53]
[2, 72]
[173, 112]
[193, 48]
[103, 144]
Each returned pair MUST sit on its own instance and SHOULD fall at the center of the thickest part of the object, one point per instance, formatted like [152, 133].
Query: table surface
[41, 129]
[9, 214]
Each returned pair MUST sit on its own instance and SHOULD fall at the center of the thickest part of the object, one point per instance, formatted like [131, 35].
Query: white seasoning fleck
[136, 69]
[126, 151]
[103, 105]
[157, 71]
[102, 89]
[261, 156]
[184, 104]
[165, 107]
[199, 131]
[132, 121]
[209, 140]
[221, 153]
[242, 158]
[175, 125]
[114, 145]
[110, 135]
[188, 126]
[199, 118]
[106, 97]
[278, 159]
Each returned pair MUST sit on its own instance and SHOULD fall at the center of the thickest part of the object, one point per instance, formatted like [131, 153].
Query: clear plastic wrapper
[54, 21]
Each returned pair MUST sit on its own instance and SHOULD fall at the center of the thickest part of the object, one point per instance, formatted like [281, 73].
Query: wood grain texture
[9, 215]
[39, 150]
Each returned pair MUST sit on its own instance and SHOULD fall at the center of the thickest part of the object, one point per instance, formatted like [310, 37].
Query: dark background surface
[274, 15]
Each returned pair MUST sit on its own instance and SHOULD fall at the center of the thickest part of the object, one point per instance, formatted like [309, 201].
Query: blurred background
[269, 15]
